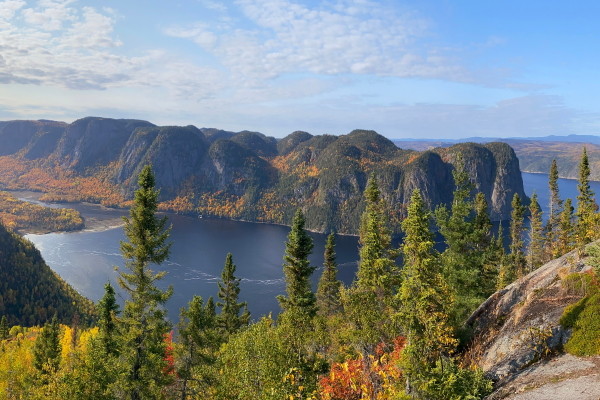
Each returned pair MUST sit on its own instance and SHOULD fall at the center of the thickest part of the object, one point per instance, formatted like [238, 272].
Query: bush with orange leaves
[373, 377]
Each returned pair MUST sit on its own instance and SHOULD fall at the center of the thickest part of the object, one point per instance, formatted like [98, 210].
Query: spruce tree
[328, 290]
[199, 340]
[108, 310]
[586, 205]
[229, 319]
[517, 256]
[535, 247]
[462, 261]
[144, 322]
[555, 207]
[297, 270]
[47, 349]
[566, 229]
[4, 328]
[377, 269]
[424, 297]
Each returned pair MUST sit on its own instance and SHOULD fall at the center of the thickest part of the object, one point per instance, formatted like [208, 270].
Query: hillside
[30, 292]
[521, 334]
[535, 154]
[244, 175]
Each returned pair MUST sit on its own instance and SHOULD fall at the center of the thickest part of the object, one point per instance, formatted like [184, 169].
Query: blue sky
[415, 68]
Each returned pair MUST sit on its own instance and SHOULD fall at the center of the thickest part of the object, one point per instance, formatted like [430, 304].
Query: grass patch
[584, 318]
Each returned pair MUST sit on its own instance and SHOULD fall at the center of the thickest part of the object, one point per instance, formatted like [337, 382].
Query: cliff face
[251, 176]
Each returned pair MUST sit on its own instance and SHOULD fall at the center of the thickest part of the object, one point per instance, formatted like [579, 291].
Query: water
[87, 259]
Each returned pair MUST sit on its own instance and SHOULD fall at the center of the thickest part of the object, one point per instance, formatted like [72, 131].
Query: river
[87, 259]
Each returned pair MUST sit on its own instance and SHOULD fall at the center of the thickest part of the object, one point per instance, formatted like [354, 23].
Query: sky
[407, 69]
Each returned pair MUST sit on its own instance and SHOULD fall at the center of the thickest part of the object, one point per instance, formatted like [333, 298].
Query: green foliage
[566, 230]
[556, 204]
[424, 297]
[584, 318]
[517, 256]
[30, 292]
[4, 328]
[328, 290]
[229, 319]
[47, 348]
[535, 247]
[144, 324]
[108, 310]
[297, 270]
[587, 220]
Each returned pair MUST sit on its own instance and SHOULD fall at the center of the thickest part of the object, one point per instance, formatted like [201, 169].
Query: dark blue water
[87, 259]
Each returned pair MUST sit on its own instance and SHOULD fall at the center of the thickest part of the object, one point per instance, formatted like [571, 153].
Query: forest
[397, 332]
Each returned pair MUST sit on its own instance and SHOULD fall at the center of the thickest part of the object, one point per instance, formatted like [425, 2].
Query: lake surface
[87, 259]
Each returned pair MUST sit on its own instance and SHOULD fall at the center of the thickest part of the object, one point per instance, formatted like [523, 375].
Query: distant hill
[244, 175]
[30, 292]
[535, 154]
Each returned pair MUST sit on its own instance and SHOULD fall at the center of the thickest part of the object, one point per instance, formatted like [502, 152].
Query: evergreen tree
[554, 215]
[108, 310]
[47, 349]
[535, 247]
[566, 229]
[424, 297]
[517, 256]
[503, 262]
[199, 340]
[229, 319]
[297, 270]
[377, 269]
[328, 290]
[482, 224]
[586, 205]
[462, 261]
[4, 328]
[144, 321]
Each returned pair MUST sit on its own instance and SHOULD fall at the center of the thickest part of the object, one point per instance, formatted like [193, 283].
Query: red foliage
[169, 368]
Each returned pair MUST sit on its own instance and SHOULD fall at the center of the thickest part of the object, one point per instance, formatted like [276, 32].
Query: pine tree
[297, 270]
[47, 349]
[376, 268]
[517, 256]
[586, 205]
[107, 324]
[535, 247]
[229, 319]
[566, 229]
[554, 215]
[328, 290]
[199, 340]
[3, 328]
[424, 297]
[144, 320]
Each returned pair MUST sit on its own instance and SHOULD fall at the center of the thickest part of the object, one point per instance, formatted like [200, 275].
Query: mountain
[245, 175]
[535, 154]
[30, 292]
[538, 337]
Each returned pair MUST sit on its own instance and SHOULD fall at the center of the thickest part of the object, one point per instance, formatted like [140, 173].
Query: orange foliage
[220, 204]
[180, 205]
[376, 377]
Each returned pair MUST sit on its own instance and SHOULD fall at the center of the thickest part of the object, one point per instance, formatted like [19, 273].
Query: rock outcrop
[518, 338]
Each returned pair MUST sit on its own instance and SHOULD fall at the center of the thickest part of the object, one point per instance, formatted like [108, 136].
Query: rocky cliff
[248, 175]
[518, 336]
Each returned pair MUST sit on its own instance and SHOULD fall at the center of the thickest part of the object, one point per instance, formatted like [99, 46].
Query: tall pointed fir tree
[229, 319]
[517, 255]
[424, 297]
[486, 247]
[535, 247]
[108, 310]
[328, 290]
[297, 270]
[196, 353]
[47, 349]
[3, 328]
[462, 260]
[565, 236]
[555, 206]
[586, 205]
[144, 323]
